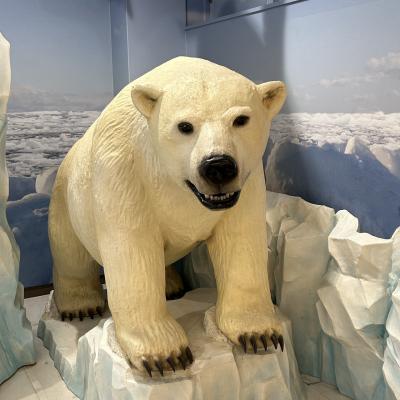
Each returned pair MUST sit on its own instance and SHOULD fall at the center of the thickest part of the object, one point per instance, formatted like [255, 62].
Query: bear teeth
[218, 198]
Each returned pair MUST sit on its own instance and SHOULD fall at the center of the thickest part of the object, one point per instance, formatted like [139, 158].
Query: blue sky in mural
[344, 57]
[61, 53]
[334, 56]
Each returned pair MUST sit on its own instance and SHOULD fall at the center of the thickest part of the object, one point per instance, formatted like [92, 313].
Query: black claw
[99, 311]
[91, 313]
[243, 342]
[189, 355]
[264, 342]
[171, 363]
[159, 367]
[281, 343]
[182, 360]
[63, 316]
[274, 340]
[80, 315]
[253, 342]
[147, 366]
[71, 316]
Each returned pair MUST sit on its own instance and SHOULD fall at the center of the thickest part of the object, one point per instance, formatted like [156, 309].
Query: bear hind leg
[77, 288]
[174, 288]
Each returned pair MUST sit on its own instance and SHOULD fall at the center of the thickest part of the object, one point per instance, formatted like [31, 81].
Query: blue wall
[119, 44]
[60, 53]
[145, 34]
[155, 32]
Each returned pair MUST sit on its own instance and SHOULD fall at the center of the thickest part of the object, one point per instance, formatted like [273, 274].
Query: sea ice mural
[348, 161]
[36, 144]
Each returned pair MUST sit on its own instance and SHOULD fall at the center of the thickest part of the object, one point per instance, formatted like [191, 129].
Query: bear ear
[144, 97]
[273, 96]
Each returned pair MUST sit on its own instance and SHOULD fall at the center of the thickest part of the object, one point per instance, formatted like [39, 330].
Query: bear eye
[185, 127]
[241, 120]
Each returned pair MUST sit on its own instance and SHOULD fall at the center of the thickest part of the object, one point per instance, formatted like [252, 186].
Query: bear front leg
[238, 249]
[134, 267]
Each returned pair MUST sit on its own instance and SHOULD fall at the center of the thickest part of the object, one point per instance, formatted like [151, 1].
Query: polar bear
[173, 160]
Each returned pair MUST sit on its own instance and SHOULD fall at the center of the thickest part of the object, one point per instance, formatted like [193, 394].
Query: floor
[42, 381]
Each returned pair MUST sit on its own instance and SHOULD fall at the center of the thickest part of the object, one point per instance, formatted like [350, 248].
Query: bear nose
[218, 169]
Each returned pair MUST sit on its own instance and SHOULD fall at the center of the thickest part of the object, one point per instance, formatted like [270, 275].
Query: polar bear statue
[173, 160]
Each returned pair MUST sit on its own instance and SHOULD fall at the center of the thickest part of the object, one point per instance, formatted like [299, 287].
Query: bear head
[210, 125]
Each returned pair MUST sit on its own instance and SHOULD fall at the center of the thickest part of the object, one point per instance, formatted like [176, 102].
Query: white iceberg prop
[16, 340]
[94, 367]
[354, 302]
[391, 365]
[298, 243]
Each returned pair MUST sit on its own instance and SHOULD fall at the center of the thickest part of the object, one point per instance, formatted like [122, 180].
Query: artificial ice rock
[94, 366]
[298, 259]
[16, 340]
[354, 301]
[335, 285]
[391, 364]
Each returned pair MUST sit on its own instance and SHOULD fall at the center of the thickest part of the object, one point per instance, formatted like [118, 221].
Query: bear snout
[218, 169]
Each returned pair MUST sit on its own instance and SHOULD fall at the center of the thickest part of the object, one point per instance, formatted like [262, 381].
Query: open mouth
[217, 201]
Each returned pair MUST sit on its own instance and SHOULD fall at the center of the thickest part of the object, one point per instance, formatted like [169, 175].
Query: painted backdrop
[61, 79]
[336, 143]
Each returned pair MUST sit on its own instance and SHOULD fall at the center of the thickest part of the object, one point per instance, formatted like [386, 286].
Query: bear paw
[82, 313]
[172, 362]
[156, 346]
[79, 302]
[252, 330]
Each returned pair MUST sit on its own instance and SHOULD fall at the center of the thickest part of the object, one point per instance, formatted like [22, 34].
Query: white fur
[120, 200]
